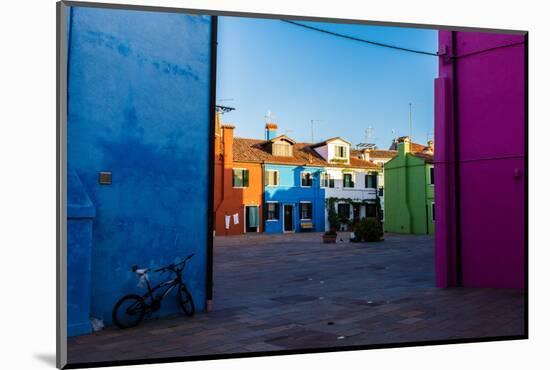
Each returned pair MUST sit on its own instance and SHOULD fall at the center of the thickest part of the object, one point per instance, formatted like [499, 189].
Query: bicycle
[130, 310]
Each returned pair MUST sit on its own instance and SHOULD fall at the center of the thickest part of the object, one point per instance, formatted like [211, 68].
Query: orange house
[238, 186]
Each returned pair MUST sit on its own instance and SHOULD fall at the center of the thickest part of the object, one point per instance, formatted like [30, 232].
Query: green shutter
[245, 178]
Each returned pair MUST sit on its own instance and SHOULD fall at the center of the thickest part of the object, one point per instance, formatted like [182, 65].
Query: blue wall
[290, 191]
[80, 216]
[139, 106]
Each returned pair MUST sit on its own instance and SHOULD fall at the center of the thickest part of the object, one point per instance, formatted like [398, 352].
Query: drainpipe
[404, 148]
[264, 204]
[458, 244]
[211, 215]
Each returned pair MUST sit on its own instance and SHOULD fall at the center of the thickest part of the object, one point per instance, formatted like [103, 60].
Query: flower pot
[329, 239]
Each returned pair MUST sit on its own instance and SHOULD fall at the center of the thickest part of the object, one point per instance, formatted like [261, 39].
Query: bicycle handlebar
[172, 266]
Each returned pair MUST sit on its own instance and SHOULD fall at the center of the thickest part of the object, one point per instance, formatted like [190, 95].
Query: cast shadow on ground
[47, 358]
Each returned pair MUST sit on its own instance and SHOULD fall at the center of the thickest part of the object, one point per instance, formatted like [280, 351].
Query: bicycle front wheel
[186, 301]
[129, 311]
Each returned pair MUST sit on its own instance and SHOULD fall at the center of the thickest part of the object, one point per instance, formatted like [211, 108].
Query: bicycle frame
[167, 285]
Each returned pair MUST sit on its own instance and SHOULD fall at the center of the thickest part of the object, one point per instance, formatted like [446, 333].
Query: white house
[350, 183]
[379, 157]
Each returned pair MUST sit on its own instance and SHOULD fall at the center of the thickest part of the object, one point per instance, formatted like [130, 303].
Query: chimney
[431, 145]
[227, 139]
[366, 154]
[403, 145]
[270, 130]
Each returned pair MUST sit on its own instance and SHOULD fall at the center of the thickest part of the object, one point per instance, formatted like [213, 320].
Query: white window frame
[267, 212]
[240, 169]
[301, 178]
[350, 210]
[311, 207]
[278, 178]
[353, 180]
[370, 173]
[245, 218]
[336, 155]
[321, 177]
[289, 147]
[431, 179]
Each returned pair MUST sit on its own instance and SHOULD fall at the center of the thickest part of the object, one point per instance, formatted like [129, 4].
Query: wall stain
[101, 39]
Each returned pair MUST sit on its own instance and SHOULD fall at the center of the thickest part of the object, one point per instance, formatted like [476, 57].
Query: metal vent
[105, 178]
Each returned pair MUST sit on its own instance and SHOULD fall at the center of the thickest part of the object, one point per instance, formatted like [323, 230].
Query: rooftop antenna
[410, 122]
[269, 117]
[369, 139]
[221, 109]
[429, 135]
[312, 122]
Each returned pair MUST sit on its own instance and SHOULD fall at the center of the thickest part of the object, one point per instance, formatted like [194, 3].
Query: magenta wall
[480, 127]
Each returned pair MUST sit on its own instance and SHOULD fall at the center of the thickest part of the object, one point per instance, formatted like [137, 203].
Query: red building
[238, 186]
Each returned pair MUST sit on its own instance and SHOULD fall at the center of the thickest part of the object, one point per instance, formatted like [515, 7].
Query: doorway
[251, 219]
[288, 218]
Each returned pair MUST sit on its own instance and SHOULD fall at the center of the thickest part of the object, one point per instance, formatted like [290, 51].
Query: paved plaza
[281, 292]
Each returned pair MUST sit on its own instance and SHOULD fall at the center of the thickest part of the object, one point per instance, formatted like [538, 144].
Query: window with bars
[348, 180]
[307, 179]
[305, 210]
[272, 178]
[240, 178]
[272, 211]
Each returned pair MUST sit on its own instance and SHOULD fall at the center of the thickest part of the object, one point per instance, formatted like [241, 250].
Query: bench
[306, 225]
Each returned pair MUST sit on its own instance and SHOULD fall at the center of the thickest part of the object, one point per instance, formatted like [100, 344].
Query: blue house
[139, 148]
[294, 200]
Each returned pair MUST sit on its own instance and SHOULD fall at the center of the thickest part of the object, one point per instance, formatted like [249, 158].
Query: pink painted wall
[486, 241]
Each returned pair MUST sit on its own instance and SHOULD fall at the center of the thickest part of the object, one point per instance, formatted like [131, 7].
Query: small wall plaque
[105, 178]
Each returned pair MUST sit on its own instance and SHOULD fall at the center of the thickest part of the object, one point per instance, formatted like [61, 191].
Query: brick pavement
[290, 292]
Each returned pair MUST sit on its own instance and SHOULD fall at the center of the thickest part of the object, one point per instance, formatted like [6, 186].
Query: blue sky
[302, 75]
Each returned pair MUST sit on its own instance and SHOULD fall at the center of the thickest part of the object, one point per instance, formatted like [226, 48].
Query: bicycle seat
[141, 271]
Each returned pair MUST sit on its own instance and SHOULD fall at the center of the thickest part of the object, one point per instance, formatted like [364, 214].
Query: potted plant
[334, 224]
[329, 237]
[369, 230]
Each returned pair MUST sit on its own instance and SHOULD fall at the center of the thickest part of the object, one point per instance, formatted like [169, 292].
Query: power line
[360, 40]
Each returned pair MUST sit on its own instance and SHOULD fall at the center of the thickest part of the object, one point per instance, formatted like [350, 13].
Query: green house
[409, 189]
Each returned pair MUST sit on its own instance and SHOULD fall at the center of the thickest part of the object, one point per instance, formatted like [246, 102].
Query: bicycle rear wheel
[186, 301]
[129, 311]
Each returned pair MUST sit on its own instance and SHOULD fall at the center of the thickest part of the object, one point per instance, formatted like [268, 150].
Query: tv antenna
[221, 109]
[410, 122]
[312, 122]
[429, 135]
[269, 117]
[369, 134]
[369, 138]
